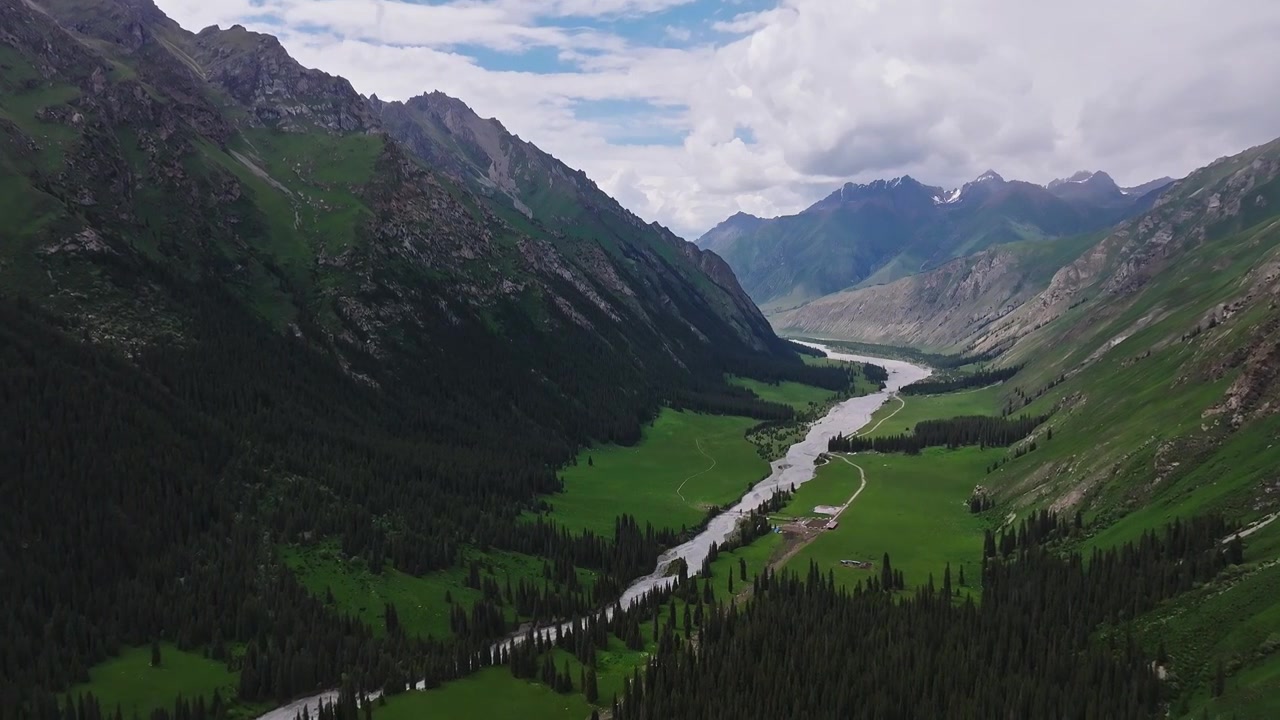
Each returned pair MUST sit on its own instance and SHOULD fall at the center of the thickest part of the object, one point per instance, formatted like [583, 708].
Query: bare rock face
[417, 219]
[939, 308]
[257, 71]
[87, 241]
[480, 153]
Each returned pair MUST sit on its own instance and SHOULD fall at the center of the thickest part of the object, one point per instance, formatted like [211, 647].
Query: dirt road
[803, 540]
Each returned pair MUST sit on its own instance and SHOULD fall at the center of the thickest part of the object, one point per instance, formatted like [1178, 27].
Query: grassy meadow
[129, 682]
[798, 395]
[685, 463]
[419, 601]
[895, 418]
[914, 508]
[492, 694]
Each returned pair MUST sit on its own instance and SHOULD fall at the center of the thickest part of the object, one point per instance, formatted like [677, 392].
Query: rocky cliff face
[481, 154]
[936, 309]
[256, 70]
[1209, 203]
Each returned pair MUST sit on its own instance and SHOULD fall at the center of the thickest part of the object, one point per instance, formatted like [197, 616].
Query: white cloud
[679, 34]
[829, 90]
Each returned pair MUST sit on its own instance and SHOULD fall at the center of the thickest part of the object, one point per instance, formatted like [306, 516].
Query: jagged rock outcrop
[256, 70]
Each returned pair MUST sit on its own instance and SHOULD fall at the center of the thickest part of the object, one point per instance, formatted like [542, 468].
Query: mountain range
[990, 298]
[867, 234]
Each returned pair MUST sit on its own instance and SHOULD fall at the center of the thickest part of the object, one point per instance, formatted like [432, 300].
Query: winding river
[796, 468]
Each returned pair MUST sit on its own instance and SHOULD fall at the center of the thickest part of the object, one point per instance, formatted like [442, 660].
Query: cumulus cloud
[823, 91]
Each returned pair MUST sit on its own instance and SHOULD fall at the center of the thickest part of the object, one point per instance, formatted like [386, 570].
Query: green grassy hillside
[1154, 356]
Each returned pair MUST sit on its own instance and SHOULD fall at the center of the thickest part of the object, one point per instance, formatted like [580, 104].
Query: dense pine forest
[961, 381]
[805, 647]
[951, 433]
[155, 490]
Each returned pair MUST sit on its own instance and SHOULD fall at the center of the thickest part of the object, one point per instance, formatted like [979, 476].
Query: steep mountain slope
[847, 236]
[1177, 243]
[237, 312]
[1154, 356]
[581, 220]
[864, 235]
[995, 298]
[941, 307]
[1167, 398]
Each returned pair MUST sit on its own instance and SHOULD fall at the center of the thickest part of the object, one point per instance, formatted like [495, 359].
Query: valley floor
[911, 509]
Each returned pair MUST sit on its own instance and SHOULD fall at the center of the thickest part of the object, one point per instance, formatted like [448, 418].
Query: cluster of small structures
[821, 523]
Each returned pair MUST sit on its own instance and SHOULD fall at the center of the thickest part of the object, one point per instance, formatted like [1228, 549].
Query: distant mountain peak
[1085, 177]
[903, 188]
[1077, 177]
[1146, 187]
[950, 197]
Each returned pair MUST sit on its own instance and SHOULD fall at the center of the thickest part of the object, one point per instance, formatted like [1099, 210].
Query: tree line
[939, 361]
[980, 430]
[961, 381]
[807, 647]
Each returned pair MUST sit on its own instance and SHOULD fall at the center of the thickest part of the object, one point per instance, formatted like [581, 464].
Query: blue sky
[688, 111]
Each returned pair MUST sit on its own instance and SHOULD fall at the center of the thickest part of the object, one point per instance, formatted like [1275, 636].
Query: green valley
[912, 509]
[320, 404]
[684, 464]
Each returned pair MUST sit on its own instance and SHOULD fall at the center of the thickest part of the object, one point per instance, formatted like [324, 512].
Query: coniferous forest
[805, 647]
[155, 489]
[951, 433]
[961, 381]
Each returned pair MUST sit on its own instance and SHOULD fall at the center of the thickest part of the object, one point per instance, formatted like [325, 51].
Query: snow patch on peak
[953, 196]
[989, 176]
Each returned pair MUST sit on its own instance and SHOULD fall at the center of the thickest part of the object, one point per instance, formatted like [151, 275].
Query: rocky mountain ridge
[995, 298]
[397, 197]
[872, 233]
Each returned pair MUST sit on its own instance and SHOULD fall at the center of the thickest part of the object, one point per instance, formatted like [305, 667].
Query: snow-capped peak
[989, 176]
[1078, 178]
[951, 197]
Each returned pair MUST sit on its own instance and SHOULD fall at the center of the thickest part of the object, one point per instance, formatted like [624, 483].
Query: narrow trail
[804, 541]
[872, 429]
[697, 442]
